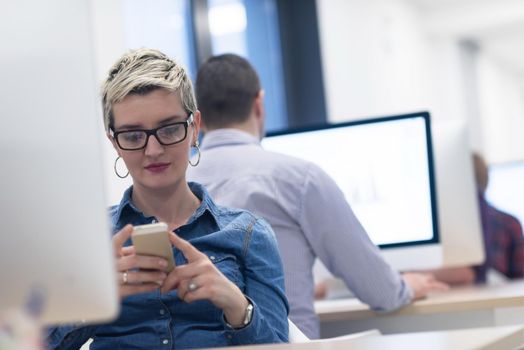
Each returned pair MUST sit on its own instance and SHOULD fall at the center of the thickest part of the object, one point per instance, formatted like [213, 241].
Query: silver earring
[198, 155]
[116, 169]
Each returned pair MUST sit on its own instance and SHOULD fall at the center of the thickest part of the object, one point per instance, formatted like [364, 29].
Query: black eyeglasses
[134, 140]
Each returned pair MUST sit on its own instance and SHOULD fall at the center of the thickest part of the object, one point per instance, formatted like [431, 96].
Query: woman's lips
[157, 167]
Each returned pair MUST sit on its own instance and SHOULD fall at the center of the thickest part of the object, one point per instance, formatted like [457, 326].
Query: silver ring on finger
[192, 286]
[125, 278]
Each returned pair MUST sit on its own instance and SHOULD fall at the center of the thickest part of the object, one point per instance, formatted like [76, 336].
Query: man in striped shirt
[306, 209]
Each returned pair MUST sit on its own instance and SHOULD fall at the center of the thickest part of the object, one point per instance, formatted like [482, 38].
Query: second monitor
[384, 166]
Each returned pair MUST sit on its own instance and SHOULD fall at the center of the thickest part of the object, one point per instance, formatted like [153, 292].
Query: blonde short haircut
[140, 72]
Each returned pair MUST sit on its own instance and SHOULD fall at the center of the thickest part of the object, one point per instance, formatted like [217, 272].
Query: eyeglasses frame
[153, 132]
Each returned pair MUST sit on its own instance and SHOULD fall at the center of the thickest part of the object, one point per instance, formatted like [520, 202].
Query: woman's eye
[170, 130]
[133, 136]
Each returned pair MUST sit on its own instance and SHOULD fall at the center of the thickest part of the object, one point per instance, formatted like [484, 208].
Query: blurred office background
[336, 60]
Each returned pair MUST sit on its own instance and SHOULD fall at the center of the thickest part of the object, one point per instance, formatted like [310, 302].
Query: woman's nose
[153, 147]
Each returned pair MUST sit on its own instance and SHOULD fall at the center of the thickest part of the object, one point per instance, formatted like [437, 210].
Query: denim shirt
[242, 246]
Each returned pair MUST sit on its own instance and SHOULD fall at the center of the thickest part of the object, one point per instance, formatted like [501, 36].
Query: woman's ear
[113, 142]
[196, 125]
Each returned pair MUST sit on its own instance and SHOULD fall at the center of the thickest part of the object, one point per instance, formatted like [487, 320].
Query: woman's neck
[173, 206]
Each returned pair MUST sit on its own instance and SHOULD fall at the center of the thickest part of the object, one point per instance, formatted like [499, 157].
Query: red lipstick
[157, 167]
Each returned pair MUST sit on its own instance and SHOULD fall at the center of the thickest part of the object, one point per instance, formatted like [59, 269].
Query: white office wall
[376, 58]
[109, 45]
[108, 33]
[501, 99]
[382, 57]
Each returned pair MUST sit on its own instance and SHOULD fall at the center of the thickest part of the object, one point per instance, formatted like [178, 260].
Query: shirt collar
[227, 137]
[207, 205]
[124, 204]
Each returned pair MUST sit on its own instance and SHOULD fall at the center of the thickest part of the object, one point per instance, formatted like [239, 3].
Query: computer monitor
[458, 208]
[56, 239]
[506, 188]
[384, 166]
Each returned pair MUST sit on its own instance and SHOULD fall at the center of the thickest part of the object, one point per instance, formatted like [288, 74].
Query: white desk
[496, 338]
[465, 307]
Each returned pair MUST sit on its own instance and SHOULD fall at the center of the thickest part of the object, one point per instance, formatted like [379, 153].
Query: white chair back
[295, 334]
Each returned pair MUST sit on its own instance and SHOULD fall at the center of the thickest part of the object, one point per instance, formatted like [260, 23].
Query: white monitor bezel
[434, 241]
[56, 240]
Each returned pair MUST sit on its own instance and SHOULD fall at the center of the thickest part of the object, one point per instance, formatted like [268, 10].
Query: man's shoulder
[285, 162]
[252, 157]
[503, 219]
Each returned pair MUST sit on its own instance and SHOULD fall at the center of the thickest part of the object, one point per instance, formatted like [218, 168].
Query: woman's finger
[187, 272]
[206, 287]
[171, 282]
[189, 251]
[201, 293]
[120, 238]
[181, 290]
[190, 270]
[138, 277]
[130, 262]
[130, 250]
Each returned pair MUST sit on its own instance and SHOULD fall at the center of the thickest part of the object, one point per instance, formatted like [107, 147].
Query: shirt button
[162, 311]
[165, 341]
[212, 257]
[229, 337]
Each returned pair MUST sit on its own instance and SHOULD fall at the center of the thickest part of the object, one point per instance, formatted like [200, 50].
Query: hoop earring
[198, 155]
[116, 169]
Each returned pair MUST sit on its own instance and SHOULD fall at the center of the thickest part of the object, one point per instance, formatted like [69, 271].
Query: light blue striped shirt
[310, 216]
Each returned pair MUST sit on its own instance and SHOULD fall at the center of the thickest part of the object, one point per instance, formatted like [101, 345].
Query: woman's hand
[136, 273]
[199, 279]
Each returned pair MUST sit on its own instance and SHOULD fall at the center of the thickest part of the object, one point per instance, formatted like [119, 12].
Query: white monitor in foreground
[384, 167]
[458, 208]
[56, 238]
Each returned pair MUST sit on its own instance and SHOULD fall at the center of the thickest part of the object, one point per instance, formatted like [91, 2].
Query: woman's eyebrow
[130, 127]
[168, 120]
[172, 119]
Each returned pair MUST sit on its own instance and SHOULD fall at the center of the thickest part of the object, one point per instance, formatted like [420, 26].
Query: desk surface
[510, 294]
[491, 338]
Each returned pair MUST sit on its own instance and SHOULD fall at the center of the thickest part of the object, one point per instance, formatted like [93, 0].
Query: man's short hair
[226, 89]
[141, 72]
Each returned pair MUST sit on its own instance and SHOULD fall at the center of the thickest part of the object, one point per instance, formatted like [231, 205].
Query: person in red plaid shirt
[503, 238]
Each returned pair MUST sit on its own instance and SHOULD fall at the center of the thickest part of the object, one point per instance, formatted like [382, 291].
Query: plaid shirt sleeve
[505, 243]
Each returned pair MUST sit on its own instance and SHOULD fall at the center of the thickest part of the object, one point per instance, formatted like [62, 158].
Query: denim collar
[207, 205]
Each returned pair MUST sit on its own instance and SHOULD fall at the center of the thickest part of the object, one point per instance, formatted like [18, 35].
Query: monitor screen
[506, 188]
[383, 166]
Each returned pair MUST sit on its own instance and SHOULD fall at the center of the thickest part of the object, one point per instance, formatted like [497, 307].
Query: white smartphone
[153, 239]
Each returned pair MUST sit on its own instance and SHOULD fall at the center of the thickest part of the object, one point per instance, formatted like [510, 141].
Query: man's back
[503, 239]
[309, 215]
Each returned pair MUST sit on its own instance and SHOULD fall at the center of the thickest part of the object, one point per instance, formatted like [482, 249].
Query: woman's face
[156, 166]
